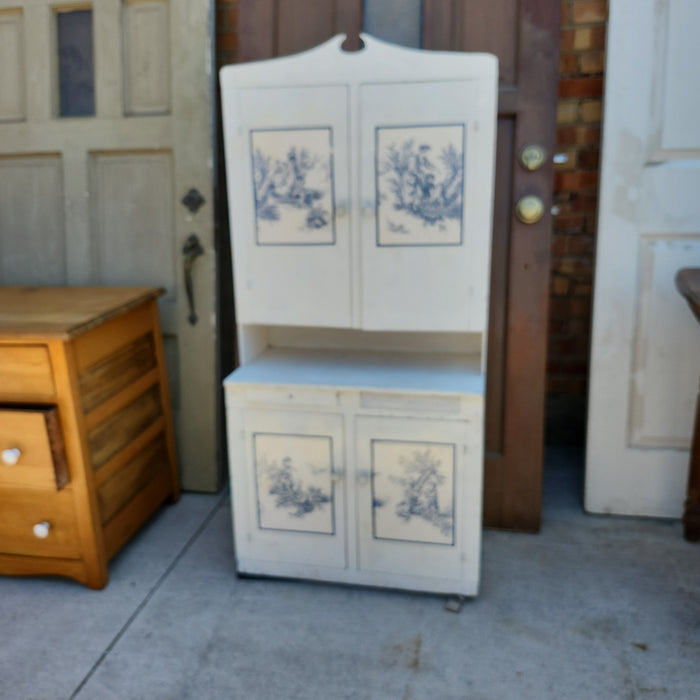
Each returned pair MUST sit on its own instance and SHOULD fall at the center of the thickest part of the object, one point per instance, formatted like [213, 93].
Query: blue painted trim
[332, 533]
[332, 184]
[376, 187]
[454, 493]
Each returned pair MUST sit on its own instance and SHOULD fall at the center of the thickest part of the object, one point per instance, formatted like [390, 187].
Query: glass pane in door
[397, 21]
[76, 74]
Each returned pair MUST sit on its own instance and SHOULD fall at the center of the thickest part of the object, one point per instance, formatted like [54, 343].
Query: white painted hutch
[360, 188]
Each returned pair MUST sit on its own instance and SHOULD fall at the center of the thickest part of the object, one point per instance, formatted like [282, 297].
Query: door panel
[12, 85]
[95, 199]
[419, 487]
[524, 34]
[645, 339]
[292, 495]
[32, 231]
[281, 238]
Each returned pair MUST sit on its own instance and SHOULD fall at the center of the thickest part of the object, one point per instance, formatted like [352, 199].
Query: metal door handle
[191, 250]
[529, 209]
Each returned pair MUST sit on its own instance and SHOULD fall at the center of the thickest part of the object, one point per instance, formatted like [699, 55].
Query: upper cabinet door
[360, 187]
[426, 181]
[288, 174]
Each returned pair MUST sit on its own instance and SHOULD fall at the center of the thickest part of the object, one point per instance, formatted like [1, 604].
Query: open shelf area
[395, 371]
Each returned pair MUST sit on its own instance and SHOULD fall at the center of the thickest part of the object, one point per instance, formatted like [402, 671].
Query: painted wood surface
[645, 359]
[96, 198]
[336, 487]
[358, 272]
[313, 425]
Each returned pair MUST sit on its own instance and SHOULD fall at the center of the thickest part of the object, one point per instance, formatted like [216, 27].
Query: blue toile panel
[294, 482]
[76, 72]
[419, 176]
[413, 490]
[293, 186]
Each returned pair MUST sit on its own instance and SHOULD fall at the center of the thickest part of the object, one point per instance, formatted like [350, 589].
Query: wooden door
[645, 342]
[524, 34]
[104, 128]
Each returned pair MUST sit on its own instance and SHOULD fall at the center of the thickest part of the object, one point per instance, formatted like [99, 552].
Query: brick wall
[583, 25]
[582, 61]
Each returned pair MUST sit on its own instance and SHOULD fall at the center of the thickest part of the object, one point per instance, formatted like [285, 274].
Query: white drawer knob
[41, 530]
[11, 456]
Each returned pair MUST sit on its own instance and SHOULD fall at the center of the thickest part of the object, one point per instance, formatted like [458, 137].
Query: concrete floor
[593, 607]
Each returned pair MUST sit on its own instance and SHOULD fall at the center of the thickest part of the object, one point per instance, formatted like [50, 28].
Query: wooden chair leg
[691, 514]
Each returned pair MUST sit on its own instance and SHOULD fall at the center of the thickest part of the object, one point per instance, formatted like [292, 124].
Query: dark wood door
[524, 34]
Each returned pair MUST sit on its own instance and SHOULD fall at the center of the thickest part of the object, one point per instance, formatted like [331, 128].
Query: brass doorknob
[529, 209]
[532, 157]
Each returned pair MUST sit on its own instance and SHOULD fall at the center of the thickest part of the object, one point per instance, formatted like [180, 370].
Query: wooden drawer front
[41, 461]
[25, 371]
[121, 487]
[110, 375]
[23, 509]
[116, 432]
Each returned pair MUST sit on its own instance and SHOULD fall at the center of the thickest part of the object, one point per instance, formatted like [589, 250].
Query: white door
[645, 358]
[105, 127]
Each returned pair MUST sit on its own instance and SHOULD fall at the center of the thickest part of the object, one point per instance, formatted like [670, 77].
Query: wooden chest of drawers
[86, 438]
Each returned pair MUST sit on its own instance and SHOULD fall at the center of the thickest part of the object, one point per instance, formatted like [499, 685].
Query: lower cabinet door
[419, 490]
[289, 498]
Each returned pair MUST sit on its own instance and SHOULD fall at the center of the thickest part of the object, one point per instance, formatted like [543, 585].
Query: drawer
[23, 509]
[25, 371]
[31, 448]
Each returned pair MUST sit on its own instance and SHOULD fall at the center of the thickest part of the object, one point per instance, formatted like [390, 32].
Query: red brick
[570, 307]
[559, 347]
[581, 245]
[557, 326]
[581, 87]
[572, 265]
[565, 12]
[559, 285]
[589, 159]
[584, 202]
[589, 38]
[569, 64]
[592, 62]
[559, 245]
[582, 289]
[569, 223]
[582, 180]
[590, 11]
[567, 39]
[578, 136]
[567, 112]
[591, 111]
